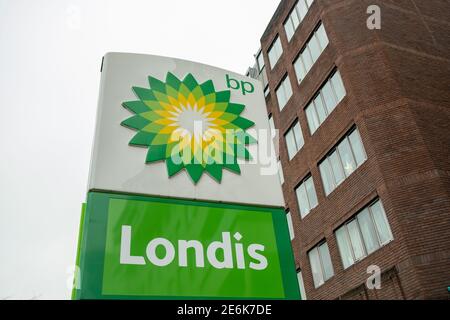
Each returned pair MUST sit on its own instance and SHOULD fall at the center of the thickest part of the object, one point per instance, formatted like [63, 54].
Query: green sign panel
[148, 248]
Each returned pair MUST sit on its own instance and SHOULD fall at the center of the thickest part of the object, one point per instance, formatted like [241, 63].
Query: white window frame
[266, 91]
[280, 172]
[322, 268]
[303, 184]
[301, 285]
[296, 12]
[335, 150]
[271, 125]
[260, 68]
[290, 225]
[380, 243]
[295, 138]
[300, 60]
[282, 86]
[276, 45]
[320, 94]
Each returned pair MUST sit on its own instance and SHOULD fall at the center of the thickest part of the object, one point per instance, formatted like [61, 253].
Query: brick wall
[398, 95]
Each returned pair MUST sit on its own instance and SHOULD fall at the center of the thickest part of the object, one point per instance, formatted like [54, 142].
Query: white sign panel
[174, 128]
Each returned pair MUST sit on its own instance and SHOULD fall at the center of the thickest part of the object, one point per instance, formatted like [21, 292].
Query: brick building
[364, 143]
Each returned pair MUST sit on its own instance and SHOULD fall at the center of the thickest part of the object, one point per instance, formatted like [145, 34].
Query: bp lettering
[244, 86]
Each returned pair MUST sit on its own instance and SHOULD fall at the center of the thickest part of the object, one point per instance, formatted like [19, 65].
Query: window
[325, 101]
[306, 196]
[271, 125]
[296, 17]
[343, 161]
[290, 225]
[364, 234]
[301, 285]
[266, 91]
[280, 172]
[321, 266]
[275, 52]
[311, 52]
[294, 140]
[274, 134]
[321, 36]
[260, 62]
[284, 92]
[381, 223]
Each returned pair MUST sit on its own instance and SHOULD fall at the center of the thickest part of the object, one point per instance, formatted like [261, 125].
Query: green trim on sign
[170, 199]
[287, 260]
[93, 245]
[77, 260]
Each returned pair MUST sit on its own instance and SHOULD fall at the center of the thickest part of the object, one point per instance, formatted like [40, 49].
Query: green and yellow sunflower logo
[189, 125]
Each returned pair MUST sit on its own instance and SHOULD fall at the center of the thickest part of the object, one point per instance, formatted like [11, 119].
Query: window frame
[280, 172]
[322, 268]
[355, 218]
[266, 91]
[335, 150]
[272, 46]
[290, 223]
[301, 284]
[306, 47]
[303, 183]
[271, 122]
[260, 54]
[288, 131]
[281, 85]
[308, 4]
[319, 93]
[355, 129]
[290, 21]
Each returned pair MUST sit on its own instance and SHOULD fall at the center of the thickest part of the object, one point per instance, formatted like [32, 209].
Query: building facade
[364, 143]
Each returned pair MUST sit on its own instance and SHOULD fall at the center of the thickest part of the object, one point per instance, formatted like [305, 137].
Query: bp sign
[166, 116]
[184, 199]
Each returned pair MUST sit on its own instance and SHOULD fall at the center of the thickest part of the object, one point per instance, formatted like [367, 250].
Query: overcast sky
[49, 76]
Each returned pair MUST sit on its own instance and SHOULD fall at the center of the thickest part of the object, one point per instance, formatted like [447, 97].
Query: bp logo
[189, 126]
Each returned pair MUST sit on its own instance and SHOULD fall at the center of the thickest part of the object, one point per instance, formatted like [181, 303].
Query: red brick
[398, 95]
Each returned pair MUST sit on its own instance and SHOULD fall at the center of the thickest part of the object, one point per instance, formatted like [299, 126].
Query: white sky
[50, 55]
